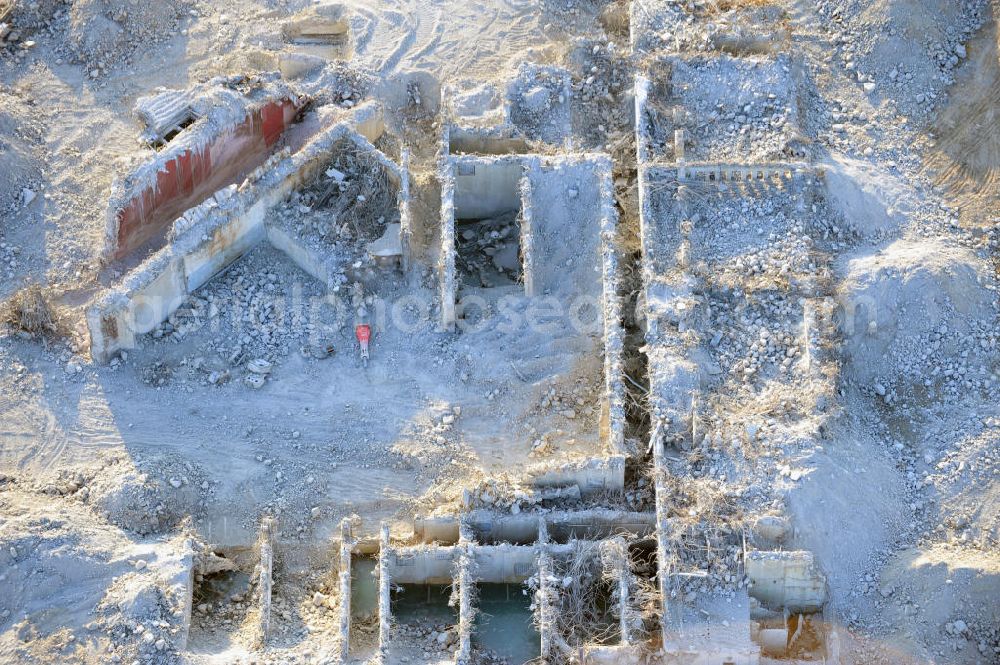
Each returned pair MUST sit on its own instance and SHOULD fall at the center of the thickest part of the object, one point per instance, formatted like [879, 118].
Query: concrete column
[265, 581]
[384, 598]
[527, 236]
[545, 598]
[615, 553]
[466, 590]
[346, 545]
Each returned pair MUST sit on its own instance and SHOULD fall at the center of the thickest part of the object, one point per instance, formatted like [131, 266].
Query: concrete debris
[320, 23]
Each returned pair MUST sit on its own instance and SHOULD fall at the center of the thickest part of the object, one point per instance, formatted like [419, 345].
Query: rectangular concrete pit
[557, 198]
[487, 205]
[476, 571]
[788, 580]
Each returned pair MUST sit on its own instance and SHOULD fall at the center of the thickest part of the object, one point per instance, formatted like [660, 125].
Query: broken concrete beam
[522, 529]
[164, 112]
[593, 476]
[346, 544]
[384, 598]
[388, 249]
[322, 23]
[466, 592]
[786, 580]
[265, 582]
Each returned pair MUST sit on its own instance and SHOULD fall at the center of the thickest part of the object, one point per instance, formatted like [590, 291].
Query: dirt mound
[920, 320]
[149, 503]
[104, 32]
[62, 566]
[960, 610]
[872, 202]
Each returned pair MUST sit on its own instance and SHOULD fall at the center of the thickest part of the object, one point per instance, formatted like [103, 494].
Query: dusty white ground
[102, 468]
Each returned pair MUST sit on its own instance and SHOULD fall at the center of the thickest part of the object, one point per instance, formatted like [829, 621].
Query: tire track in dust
[447, 38]
[37, 436]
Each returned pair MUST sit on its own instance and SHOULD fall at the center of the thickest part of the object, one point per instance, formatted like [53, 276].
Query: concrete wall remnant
[238, 128]
[491, 527]
[265, 581]
[344, 586]
[486, 187]
[384, 597]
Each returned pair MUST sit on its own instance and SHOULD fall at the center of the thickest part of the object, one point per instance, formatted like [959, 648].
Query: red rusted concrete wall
[193, 175]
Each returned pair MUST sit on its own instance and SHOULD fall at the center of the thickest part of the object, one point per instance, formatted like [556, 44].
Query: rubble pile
[734, 109]
[141, 621]
[99, 34]
[351, 201]
[256, 313]
[754, 338]
[488, 251]
[431, 640]
[602, 80]
[341, 84]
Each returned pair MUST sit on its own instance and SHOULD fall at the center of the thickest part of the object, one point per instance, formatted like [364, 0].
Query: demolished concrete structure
[528, 275]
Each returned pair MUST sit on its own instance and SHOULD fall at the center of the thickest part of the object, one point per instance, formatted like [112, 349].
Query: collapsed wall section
[236, 134]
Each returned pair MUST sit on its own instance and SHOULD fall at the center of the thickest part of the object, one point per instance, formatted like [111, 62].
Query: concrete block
[789, 580]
